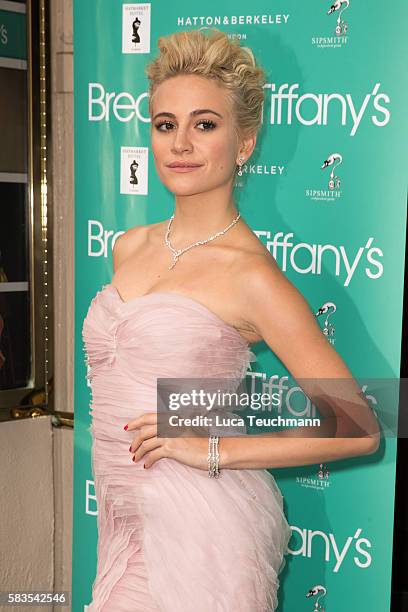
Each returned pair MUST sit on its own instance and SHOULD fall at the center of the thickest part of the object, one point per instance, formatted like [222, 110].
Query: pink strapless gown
[170, 538]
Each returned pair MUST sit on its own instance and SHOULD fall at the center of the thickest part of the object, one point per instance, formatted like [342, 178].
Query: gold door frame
[15, 403]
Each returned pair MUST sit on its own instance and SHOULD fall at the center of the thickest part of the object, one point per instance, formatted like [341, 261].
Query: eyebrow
[198, 111]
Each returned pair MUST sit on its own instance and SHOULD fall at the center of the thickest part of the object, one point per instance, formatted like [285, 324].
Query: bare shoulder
[130, 241]
[254, 264]
[279, 313]
[262, 276]
[268, 295]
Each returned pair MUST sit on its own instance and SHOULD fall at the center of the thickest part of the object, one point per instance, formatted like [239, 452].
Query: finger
[147, 418]
[145, 447]
[153, 456]
[148, 431]
[138, 422]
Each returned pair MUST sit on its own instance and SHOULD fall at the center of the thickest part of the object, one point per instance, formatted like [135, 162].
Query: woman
[188, 297]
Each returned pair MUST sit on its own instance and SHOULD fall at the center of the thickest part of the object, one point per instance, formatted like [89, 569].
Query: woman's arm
[283, 318]
[276, 451]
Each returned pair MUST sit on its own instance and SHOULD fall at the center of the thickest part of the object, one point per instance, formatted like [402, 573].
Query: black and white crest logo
[134, 170]
[136, 28]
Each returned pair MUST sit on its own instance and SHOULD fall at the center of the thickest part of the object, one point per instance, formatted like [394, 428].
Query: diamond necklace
[177, 253]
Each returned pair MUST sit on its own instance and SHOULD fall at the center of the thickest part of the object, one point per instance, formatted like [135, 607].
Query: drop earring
[240, 160]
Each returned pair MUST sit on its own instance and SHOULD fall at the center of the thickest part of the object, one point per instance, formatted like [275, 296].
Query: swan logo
[134, 170]
[339, 7]
[320, 482]
[338, 36]
[328, 309]
[318, 592]
[331, 191]
[136, 28]
[334, 159]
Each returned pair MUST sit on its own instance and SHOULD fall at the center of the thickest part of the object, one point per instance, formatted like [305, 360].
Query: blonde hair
[213, 57]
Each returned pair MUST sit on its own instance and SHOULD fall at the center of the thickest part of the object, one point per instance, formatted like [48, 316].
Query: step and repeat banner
[325, 191]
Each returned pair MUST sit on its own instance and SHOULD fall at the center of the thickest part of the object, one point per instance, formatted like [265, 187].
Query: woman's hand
[146, 445]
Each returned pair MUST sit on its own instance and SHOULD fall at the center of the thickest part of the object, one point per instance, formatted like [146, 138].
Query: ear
[247, 146]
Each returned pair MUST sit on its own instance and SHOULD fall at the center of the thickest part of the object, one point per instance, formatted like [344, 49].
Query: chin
[184, 185]
[185, 192]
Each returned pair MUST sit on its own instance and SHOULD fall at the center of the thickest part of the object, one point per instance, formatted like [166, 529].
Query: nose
[181, 141]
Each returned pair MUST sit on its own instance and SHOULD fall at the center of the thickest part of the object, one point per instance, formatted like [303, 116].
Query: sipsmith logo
[338, 37]
[331, 192]
[319, 482]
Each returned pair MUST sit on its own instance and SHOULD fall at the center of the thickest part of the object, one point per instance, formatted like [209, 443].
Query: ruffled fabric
[170, 538]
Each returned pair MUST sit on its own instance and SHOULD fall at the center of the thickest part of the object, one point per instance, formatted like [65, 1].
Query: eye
[210, 125]
[158, 125]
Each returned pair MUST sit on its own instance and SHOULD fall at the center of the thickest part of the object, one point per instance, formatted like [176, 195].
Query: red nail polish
[130, 447]
[125, 427]
[144, 466]
[133, 459]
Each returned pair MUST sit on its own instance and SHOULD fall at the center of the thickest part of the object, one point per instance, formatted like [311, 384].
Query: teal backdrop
[336, 93]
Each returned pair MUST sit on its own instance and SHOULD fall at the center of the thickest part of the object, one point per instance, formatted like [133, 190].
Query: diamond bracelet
[213, 457]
